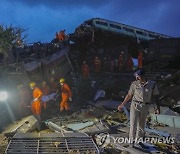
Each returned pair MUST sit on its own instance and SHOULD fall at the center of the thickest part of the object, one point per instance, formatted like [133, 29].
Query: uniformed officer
[141, 92]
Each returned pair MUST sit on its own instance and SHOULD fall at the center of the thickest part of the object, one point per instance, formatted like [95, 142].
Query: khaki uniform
[142, 95]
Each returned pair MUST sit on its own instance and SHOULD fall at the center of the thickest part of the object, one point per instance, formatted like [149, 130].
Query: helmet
[139, 73]
[32, 84]
[61, 80]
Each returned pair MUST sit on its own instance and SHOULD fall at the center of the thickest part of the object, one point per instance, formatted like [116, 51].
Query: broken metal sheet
[79, 126]
[58, 125]
[161, 133]
[27, 124]
[54, 127]
[171, 121]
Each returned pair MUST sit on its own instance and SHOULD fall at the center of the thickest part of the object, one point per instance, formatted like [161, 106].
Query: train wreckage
[94, 115]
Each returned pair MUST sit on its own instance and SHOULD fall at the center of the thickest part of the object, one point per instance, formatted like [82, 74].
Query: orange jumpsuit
[140, 60]
[61, 36]
[66, 94]
[45, 91]
[36, 105]
[97, 64]
[120, 61]
[85, 71]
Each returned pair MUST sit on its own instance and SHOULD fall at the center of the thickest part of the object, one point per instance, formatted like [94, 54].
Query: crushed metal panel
[25, 125]
[171, 121]
[51, 143]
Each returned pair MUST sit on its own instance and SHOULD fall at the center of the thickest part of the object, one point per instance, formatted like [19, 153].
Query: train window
[141, 33]
[115, 26]
[128, 30]
[88, 22]
[101, 23]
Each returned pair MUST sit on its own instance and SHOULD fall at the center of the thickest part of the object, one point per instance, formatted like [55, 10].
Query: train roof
[131, 27]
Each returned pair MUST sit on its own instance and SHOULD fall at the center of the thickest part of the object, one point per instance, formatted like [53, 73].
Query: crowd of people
[122, 63]
[41, 95]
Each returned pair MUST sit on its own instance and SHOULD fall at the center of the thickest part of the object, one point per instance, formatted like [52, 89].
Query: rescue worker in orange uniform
[129, 63]
[85, 70]
[25, 99]
[97, 65]
[46, 91]
[66, 95]
[36, 103]
[62, 35]
[140, 60]
[121, 60]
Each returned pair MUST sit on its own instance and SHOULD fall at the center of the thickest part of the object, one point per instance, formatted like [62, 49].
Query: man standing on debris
[36, 103]
[141, 92]
[140, 60]
[97, 64]
[66, 95]
[85, 70]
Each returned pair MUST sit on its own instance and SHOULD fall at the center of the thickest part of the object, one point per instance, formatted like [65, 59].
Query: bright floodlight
[3, 96]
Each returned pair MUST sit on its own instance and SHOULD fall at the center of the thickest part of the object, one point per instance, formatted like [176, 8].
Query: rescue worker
[66, 95]
[121, 59]
[141, 91]
[62, 35]
[36, 103]
[25, 99]
[129, 63]
[85, 70]
[140, 60]
[97, 65]
[46, 91]
[52, 86]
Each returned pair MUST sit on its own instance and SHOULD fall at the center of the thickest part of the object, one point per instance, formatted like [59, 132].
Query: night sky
[43, 18]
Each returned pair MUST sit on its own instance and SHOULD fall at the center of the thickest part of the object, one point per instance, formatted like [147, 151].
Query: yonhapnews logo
[103, 139]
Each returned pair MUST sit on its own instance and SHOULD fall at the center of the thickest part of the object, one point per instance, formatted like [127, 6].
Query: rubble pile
[169, 88]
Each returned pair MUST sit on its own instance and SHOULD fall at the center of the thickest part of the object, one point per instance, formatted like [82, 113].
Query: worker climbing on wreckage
[85, 70]
[36, 103]
[66, 95]
[141, 91]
